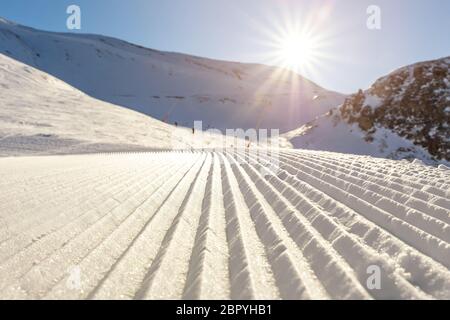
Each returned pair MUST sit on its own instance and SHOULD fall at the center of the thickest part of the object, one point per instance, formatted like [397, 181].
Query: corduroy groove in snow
[211, 225]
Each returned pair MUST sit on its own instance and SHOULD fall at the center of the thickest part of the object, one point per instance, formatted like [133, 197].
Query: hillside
[40, 114]
[170, 86]
[404, 115]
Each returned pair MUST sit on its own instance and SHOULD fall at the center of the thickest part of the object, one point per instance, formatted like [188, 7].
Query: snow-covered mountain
[405, 114]
[40, 114]
[170, 86]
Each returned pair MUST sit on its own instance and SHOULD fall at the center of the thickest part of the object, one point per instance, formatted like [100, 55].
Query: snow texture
[209, 225]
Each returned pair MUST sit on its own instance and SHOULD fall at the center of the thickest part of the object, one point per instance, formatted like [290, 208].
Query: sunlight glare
[296, 50]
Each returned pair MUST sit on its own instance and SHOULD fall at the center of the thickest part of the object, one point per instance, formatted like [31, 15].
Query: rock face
[413, 102]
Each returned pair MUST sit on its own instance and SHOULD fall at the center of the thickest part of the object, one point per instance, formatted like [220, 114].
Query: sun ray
[296, 40]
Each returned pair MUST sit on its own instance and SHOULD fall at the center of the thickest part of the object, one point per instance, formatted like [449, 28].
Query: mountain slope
[405, 114]
[40, 114]
[170, 86]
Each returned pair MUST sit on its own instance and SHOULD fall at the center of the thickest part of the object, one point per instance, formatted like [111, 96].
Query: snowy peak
[171, 86]
[405, 114]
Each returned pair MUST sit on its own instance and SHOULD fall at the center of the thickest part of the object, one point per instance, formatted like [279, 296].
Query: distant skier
[248, 142]
[176, 124]
[193, 130]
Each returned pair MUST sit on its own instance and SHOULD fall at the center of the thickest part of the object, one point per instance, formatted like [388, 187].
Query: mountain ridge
[42, 115]
[405, 114]
[173, 87]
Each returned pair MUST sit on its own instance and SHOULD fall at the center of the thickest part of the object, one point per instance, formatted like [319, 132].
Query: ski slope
[41, 115]
[216, 225]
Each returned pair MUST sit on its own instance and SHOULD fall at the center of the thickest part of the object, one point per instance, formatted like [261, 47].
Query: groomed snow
[209, 225]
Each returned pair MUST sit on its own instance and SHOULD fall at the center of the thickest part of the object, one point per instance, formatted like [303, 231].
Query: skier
[248, 142]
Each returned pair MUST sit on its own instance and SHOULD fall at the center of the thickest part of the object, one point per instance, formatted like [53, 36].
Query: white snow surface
[40, 114]
[330, 133]
[372, 101]
[170, 86]
[209, 225]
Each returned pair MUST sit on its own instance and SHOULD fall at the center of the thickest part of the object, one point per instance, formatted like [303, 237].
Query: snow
[373, 101]
[171, 86]
[326, 134]
[447, 82]
[331, 133]
[43, 115]
[209, 225]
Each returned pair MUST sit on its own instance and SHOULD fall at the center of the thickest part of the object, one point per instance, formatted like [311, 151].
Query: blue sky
[352, 56]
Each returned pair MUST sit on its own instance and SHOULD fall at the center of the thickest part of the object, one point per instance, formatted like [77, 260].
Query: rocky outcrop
[413, 102]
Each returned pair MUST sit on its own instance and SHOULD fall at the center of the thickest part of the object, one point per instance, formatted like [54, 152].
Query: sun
[296, 50]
